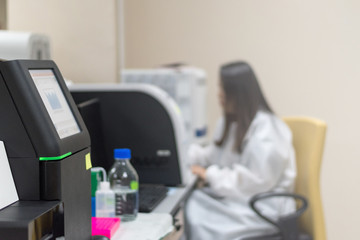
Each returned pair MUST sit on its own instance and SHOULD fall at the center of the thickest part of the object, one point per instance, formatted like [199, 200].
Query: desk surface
[175, 197]
[160, 221]
[146, 226]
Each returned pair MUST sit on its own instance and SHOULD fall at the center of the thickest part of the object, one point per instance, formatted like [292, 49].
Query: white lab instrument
[187, 86]
[24, 45]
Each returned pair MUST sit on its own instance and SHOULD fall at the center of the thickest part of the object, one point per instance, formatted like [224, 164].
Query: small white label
[163, 153]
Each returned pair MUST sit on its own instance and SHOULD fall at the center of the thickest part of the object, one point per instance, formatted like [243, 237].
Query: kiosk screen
[55, 102]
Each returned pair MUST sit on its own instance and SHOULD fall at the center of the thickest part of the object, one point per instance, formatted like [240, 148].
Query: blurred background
[306, 55]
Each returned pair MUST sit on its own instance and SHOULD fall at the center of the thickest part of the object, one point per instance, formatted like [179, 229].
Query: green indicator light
[55, 158]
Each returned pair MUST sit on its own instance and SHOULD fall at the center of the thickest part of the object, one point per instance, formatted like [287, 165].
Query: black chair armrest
[262, 196]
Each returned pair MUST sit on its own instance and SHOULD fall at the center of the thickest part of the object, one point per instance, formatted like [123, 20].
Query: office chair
[308, 141]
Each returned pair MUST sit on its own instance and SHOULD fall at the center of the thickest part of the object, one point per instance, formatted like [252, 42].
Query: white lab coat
[220, 211]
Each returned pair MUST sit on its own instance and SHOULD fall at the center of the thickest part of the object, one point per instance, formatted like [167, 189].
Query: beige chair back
[308, 140]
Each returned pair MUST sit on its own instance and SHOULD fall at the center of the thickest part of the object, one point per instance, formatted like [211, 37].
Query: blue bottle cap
[122, 153]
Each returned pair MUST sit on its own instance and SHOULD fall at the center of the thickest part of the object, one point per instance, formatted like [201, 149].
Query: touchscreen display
[55, 102]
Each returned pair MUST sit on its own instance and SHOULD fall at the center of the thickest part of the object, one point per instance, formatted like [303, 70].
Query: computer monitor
[91, 114]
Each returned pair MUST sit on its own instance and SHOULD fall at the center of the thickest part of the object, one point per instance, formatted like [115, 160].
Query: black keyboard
[150, 196]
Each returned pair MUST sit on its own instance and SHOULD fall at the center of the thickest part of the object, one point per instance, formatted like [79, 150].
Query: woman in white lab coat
[252, 152]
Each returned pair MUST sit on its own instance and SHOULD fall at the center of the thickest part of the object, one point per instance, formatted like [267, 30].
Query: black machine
[136, 116]
[48, 147]
[32, 220]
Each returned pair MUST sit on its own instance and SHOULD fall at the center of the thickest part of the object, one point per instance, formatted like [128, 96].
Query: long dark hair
[243, 92]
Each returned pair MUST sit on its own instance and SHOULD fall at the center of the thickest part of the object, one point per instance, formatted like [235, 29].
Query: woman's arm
[267, 161]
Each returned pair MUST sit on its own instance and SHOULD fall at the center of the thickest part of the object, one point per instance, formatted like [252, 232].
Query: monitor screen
[90, 111]
[55, 102]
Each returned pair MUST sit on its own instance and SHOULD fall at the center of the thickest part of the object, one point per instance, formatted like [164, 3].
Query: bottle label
[134, 185]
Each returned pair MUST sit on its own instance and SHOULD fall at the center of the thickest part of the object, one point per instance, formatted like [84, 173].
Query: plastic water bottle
[124, 182]
[105, 201]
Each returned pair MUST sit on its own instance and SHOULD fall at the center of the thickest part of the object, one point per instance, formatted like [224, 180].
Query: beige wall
[2, 14]
[306, 54]
[82, 33]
